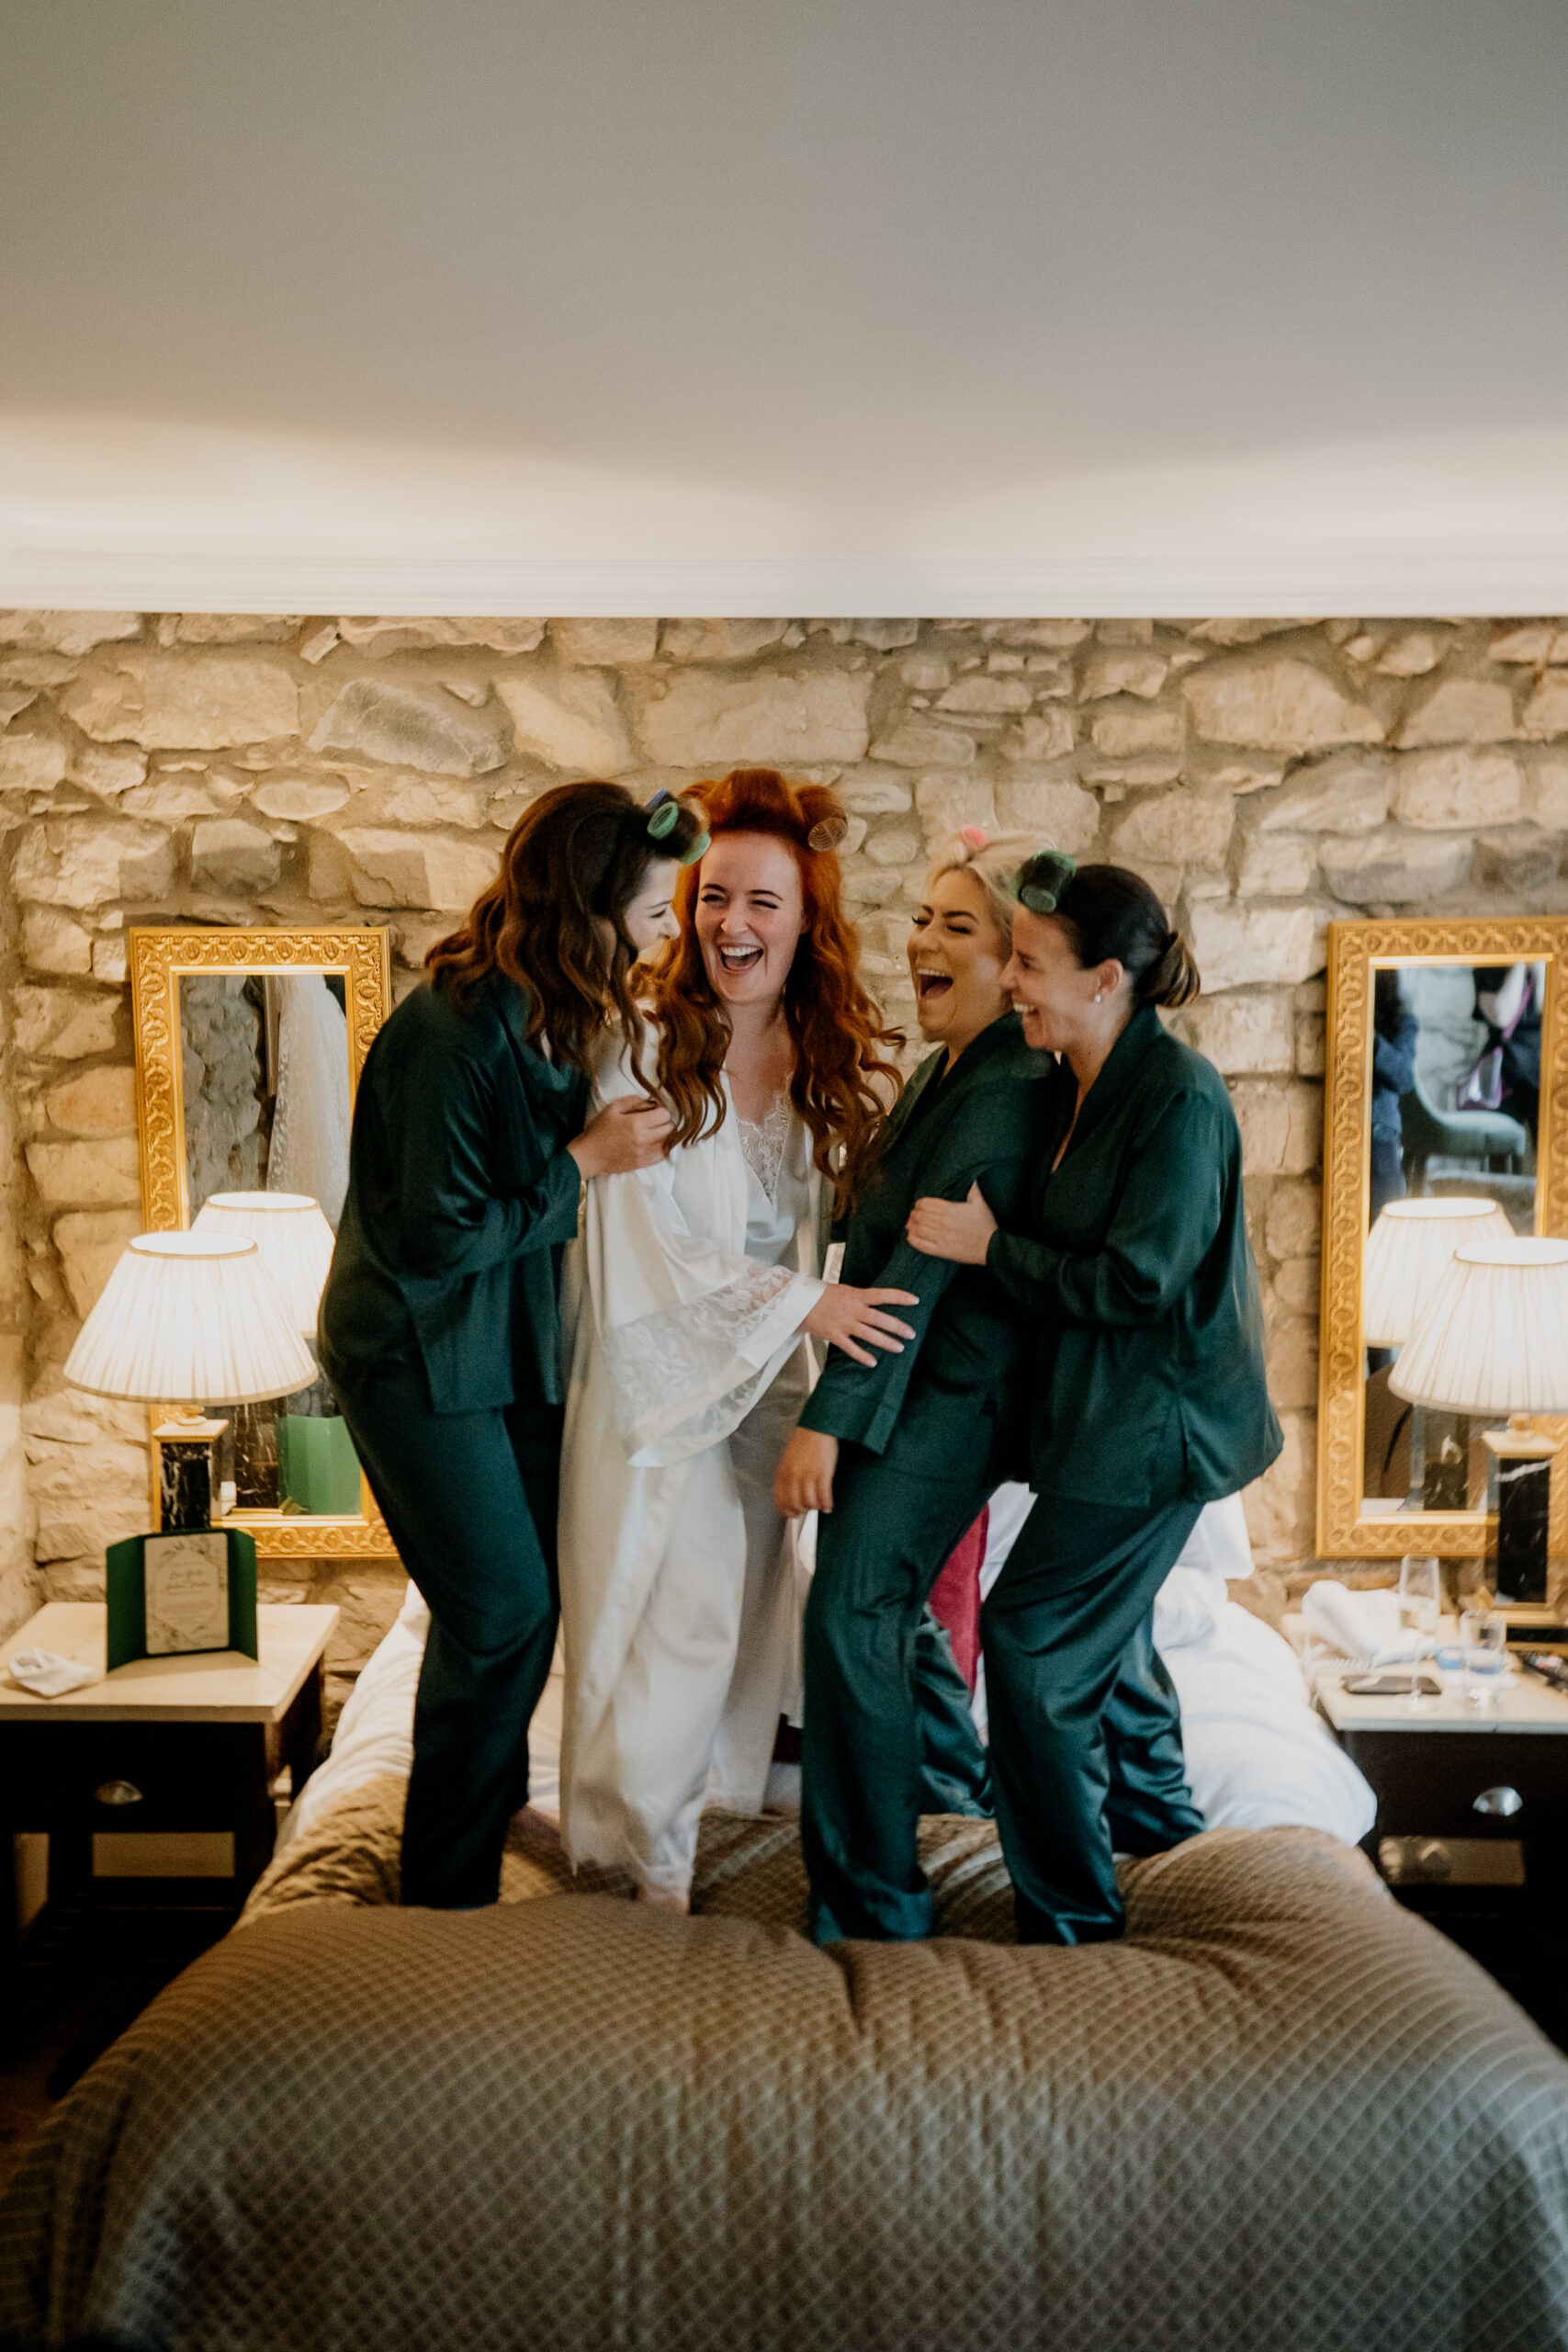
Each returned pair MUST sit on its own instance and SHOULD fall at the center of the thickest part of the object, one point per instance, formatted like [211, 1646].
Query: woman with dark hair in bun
[1148, 1400]
[440, 1326]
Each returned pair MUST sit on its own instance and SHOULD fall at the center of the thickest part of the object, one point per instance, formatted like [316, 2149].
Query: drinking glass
[1420, 1608]
[1483, 1638]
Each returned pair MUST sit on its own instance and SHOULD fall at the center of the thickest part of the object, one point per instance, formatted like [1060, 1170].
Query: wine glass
[1420, 1608]
[1484, 1639]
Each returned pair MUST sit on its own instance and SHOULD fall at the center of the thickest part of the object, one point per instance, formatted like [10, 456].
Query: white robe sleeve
[692, 1331]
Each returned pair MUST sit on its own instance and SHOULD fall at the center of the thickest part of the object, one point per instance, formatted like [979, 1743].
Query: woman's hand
[629, 1133]
[804, 1477]
[843, 1315]
[961, 1230]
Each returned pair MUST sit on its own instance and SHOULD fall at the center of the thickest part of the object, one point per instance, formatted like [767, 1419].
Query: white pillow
[1187, 1607]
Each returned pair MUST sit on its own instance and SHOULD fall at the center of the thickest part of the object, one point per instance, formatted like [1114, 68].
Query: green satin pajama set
[1119, 1304]
[440, 1332]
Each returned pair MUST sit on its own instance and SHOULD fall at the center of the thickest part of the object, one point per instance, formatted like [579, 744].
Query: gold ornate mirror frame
[1356, 951]
[158, 961]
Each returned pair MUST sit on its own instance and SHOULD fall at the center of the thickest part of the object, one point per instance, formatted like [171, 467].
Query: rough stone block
[1298, 1288]
[1290, 1354]
[227, 629]
[946, 803]
[920, 744]
[1120, 733]
[1278, 866]
[383, 633]
[867, 792]
[722, 640]
[99, 1101]
[1277, 702]
[1546, 713]
[86, 861]
[589, 641]
[1312, 1051]
[109, 768]
[1293, 1220]
[1043, 735]
[53, 943]
[1409, 655]
[1546, 790]
[67, 632]
[35, 761]
[1521, 858]
[898, 845]
[1106, 674]
[1240, 947]
[174, 799]
[1460, 710]
[299, 798]
[65, 1024]
[91, 1243]
[1344, 795]
[1281, 1506]
[569, 721]
[775, 718]
[1532, 644]
[226, 854]
[436, 804]
[1058, 813]
[1176, 828]
[1244, 1035]
[87, 1175]
[108, 960]
[1396, 868]
[979, 693]
[1282, 1124]
[1460, 788]
[196, 702]
[390, 869]
[413, 727]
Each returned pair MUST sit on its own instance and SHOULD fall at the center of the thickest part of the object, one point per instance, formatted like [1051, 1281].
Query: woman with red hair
[692, 1288]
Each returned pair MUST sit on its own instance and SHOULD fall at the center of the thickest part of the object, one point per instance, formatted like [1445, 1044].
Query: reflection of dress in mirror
[312, 1117]
[1510, 999]
[1394, 1034]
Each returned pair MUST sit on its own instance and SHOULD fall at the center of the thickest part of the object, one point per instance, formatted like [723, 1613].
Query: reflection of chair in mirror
[1485, 1139]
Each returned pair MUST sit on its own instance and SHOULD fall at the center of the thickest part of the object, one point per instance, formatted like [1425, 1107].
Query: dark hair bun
[1173, 979]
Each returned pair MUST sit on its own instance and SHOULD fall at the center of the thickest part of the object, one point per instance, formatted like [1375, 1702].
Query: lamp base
[185, 1474]
[1517, 1529]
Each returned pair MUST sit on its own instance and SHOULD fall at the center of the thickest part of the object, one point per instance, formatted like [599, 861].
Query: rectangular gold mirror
[249, 1046]
[1447, 1079]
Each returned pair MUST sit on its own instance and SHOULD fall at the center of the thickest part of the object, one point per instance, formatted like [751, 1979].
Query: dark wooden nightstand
[154, 1781]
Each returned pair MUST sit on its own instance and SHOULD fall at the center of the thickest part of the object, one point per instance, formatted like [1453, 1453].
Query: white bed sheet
[1259, 1755]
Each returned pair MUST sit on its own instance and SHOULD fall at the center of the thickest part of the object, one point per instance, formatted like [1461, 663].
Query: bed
[1281, 2115]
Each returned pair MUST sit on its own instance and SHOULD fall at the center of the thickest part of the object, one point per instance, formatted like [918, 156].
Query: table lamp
[1493, 1340]
[317, 1467]
[1408, 1249]
[186, 1316]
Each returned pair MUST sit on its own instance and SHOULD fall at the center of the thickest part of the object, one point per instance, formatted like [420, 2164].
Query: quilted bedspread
[1281, 2116]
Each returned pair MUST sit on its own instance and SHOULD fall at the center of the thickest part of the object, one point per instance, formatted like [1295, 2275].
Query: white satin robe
[681, 1588]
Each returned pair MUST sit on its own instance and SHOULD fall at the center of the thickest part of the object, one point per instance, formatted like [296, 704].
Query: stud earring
[1097, 994]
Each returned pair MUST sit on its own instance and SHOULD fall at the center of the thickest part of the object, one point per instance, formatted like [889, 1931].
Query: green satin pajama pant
[470, 1500]
[1084, 1730]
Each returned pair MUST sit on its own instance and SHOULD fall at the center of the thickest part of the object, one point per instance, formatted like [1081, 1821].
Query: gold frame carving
[156, 961]
[1353, 950]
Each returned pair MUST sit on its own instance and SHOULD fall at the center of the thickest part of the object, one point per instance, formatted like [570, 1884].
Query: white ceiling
[936, 306]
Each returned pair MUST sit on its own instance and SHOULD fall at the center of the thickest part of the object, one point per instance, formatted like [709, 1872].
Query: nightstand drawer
[128, 1776]
[1427, 1783]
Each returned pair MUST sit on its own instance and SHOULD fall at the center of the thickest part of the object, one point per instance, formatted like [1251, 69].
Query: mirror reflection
[1455, 1086]
[265, 1086]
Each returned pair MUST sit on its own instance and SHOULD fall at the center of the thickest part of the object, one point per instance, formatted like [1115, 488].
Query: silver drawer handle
[117, 1793]
[1505, 1802]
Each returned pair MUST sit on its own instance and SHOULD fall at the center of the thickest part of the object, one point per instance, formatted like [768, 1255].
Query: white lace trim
[764, 1144]
[682, 1352]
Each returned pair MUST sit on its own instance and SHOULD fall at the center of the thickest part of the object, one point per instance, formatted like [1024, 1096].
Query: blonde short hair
[992, 865]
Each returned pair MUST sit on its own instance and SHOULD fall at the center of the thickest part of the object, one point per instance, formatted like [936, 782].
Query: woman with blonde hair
[692, 1288]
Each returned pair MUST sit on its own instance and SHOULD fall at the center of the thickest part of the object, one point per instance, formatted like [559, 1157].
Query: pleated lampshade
[190, 1316]
[1493, 1337]
[1407, 1249]
[294, 1239]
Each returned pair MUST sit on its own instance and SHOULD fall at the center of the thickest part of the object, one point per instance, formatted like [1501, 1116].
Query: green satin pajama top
[955, 1385]
[461, 1200]
[1133, 1264]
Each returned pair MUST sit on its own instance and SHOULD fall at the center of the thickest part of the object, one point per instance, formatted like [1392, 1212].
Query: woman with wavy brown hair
[439, 1324]
[692, 1288]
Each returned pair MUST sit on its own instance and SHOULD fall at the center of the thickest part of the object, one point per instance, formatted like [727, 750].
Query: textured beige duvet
[1281, 2114]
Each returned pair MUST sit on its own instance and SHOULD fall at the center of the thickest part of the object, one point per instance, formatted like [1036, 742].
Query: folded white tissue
[1362, 1625]
[48, 1674]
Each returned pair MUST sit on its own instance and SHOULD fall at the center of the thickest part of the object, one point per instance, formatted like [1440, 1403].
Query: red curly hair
[845, 1078]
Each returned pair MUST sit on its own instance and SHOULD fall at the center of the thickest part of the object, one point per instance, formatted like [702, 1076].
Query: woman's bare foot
[664, 1898]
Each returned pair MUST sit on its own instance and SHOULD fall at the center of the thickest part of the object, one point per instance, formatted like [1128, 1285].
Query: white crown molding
[1456, 578]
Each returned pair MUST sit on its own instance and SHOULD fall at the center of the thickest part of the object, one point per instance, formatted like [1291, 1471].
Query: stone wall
[1265, 775]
